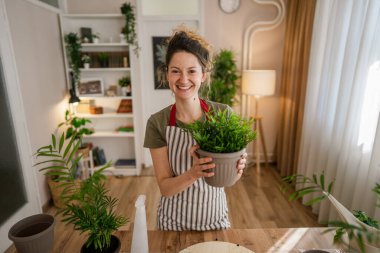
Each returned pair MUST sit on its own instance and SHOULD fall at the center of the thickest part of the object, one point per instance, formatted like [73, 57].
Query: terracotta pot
[225, 167]
[114, 247]
[33, 234]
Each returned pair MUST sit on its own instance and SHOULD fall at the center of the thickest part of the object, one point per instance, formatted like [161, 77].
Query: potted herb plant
[73, 49]
[129, 30]
[125, 85]
[224, 75]
[103, 59]
[95, 38]
[362, 231]
[223, 136]
[87, 205]
[86, 60]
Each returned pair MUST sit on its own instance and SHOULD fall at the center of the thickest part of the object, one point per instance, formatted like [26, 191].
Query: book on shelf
[99, 156]
[125, 163]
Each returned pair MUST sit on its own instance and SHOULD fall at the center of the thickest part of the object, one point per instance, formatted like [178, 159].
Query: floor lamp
[258, 83]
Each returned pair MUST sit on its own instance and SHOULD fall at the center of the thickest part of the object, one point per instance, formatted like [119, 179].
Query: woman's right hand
[200, 165]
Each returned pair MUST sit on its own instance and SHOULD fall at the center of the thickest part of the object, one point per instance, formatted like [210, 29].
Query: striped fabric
[200, 207]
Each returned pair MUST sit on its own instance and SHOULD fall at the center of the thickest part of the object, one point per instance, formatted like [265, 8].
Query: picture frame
[159, 55]
[91, 87]
[86, 34]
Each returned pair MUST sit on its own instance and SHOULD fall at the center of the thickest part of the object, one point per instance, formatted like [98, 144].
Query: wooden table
[257, 240]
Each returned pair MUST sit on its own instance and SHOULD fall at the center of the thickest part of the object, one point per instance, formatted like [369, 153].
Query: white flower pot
[86, 65]
[122, 39]
[95, 40]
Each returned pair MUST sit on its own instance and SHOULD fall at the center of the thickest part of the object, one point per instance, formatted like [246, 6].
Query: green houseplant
[77, 127]
[125, 85]
[224, 75]
[362, 231]
[86, 205]
[73, 49]
[103, 59]
[86, 60]
[129, 29]
[222, 136]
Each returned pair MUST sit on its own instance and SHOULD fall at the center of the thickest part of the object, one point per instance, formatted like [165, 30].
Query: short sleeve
[154, 138]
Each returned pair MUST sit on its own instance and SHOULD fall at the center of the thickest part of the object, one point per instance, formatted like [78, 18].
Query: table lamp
[258, 83]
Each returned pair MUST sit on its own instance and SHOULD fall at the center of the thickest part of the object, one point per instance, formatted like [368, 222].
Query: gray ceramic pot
[33, 234]
[225, 167]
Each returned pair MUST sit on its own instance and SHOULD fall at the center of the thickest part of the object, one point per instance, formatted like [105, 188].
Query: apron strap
[172, 120]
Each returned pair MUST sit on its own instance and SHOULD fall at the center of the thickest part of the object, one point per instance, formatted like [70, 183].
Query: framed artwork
[91, 87]
[86, 34]
[159, 54]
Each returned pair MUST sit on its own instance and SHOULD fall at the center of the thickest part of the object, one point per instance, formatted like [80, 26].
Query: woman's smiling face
[185, 75]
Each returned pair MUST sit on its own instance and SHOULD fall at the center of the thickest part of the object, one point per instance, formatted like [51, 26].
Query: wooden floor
[254, 202]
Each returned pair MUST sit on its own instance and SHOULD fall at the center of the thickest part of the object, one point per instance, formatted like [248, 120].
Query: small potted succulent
[103, 58]
[87, 204]
[95, 38]
[86, 60]
[125, 85]
[223, 136]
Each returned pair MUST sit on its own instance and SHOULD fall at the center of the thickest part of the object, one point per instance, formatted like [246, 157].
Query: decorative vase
[33, 234]
[122, 38]
[113, 248]
[225, 171]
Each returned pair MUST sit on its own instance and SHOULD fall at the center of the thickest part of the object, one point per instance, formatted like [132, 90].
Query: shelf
[105, 115]
[104, 44]
[113, 134]
[118, 171]
[90, 16]
[104, 69]
[106, 97]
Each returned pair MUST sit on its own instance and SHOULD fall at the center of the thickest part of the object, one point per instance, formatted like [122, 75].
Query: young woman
[187, 202]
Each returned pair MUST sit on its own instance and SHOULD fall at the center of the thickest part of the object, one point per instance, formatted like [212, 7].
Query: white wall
[37, 47]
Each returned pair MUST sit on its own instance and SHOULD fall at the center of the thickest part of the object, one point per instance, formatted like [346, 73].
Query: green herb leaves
[222, 132]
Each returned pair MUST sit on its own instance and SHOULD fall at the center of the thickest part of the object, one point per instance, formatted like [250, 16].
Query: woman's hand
[240, 165]
[200, 165]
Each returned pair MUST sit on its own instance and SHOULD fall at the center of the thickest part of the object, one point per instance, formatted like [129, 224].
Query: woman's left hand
[240, 165]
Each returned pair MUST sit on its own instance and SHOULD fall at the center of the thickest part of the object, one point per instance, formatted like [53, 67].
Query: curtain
[343, 103]
[299, 25]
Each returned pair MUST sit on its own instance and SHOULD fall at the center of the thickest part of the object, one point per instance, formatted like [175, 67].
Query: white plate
[216, 246]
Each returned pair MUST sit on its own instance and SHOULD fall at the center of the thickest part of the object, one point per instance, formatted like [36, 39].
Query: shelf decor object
[259, 83]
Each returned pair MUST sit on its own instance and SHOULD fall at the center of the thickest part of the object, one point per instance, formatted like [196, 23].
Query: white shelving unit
[116, 144]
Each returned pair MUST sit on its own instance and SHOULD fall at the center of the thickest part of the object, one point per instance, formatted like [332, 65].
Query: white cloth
[343, 103]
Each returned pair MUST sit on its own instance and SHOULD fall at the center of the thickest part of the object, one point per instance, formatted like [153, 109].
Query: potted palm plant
[362, 231]
[223, 136]
[76, 127]
[87, 205]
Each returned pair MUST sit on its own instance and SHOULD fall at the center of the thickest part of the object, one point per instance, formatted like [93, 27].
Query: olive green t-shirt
[155, 136]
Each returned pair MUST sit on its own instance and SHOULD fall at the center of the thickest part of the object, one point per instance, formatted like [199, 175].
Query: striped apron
[199, 207]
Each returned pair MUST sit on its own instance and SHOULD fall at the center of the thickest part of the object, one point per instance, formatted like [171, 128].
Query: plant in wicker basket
[222, 136]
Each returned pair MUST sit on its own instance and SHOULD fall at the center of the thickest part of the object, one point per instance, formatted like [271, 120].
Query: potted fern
[223, 136]
[87, 205]
[362, 231]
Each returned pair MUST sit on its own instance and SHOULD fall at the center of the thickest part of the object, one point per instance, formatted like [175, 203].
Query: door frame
[13, 90]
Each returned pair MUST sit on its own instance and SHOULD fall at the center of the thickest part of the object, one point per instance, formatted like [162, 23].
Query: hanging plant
[129, 30]
[73, 49]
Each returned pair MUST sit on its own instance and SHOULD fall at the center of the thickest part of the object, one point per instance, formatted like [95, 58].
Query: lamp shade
[259, 82]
